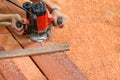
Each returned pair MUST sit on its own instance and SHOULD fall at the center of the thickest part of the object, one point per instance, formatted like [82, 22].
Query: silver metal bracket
[40, 37]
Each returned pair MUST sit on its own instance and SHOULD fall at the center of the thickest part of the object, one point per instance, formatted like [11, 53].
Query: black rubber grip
[59, 20]
[18, 24]
[27, 5]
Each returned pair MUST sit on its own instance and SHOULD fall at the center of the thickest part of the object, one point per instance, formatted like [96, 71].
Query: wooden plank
[8, 68]
[17, 68]
[2, 77]
[34, 51]
[5, 9]
[93, 31]
[9, 8]
[3, 30]
[59, 65]
[69, 70]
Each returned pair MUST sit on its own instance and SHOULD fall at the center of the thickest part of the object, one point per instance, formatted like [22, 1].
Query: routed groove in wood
[34, 51]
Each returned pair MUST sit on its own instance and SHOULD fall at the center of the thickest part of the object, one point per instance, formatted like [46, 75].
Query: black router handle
[18, 24]
[59, 20]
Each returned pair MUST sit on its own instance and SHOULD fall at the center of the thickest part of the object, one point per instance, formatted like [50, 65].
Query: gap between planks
[24, 48]
[52, 63]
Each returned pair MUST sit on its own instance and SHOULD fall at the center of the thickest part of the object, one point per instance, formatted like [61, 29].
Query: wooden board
[2, 77]
[17, 68]
[3, 31]
[54, 66]
[69, 70]
[9, 8]
[34, 51]
[20, 68]
[93, 31]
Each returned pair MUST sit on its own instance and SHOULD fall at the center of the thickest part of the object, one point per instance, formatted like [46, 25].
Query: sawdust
[93, 31]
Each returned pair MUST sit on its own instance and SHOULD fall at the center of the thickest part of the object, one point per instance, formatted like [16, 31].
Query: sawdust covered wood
[17, 68]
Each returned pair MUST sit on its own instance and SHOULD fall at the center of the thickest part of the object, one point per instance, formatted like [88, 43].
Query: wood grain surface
[56, 66]
[93, 31]
[3, 30]
[34, 51]
[17, 68]
[69, 70]
[1, 75]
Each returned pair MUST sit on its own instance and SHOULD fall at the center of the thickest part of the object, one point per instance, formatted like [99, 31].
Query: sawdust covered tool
[39, 21]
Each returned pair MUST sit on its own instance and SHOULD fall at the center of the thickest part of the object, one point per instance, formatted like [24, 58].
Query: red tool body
[43, 22]
[39, 20]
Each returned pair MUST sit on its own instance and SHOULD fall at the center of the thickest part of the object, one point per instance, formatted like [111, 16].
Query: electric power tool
[38, 20]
